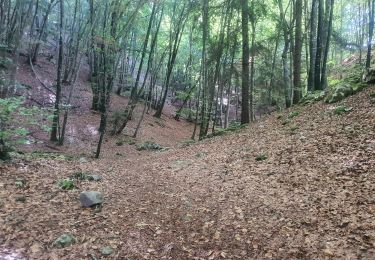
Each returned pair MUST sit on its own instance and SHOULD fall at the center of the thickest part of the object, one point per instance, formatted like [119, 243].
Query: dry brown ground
[312, 198]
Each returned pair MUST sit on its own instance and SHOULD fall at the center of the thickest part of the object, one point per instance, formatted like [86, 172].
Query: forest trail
[282, 188]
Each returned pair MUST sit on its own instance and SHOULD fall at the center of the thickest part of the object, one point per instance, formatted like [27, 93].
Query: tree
[55, 123]
[371, 4]
[297, 91]
[245, 117]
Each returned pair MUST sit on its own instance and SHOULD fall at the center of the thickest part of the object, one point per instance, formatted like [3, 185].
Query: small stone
[20, 198]
[83, 160]
[64, 240]
[94, 177]
[90, 198]
[106, 250]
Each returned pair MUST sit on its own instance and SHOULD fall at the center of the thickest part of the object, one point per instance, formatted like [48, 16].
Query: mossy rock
[106, 251]
[64, 240]
[339, 93]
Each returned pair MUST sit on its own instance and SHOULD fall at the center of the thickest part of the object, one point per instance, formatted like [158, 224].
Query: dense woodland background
[226, 129]
[218, 62]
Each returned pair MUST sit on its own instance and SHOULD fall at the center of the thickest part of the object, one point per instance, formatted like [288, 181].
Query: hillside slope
[277, 189]
[82, 128]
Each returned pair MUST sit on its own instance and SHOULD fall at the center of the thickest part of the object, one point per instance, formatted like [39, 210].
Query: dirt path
[312, 197]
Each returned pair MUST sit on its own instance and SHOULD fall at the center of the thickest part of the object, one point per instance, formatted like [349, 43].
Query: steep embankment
[297, 188]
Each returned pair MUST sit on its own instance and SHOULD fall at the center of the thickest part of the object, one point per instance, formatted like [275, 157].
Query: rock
[83, 160]
[20, 198]
[64, 240]
[340, 92]
[369, 76]
[94, 177]
[106, 250]
[90, 198]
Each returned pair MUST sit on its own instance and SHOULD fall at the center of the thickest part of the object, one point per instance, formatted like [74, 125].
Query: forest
[187, 129]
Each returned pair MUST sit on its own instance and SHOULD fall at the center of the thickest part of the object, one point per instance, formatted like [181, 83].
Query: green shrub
[293, 114]
[294, 128]
[149, 146]
[261, 157]
[13, 118]
[66, 184]
[120, 143]
[234, 126]
[313, 96]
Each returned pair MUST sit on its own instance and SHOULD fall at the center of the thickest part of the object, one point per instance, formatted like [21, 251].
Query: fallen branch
[37, 77]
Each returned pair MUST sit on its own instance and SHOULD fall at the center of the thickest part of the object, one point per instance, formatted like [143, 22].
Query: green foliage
[20, 183]
[313, 96]
[120, 143]
[66, 184]
[293, 128]
[339, 110]
[261, 157]
[235, 126]
[150, 146]
[13, 118]
[5, 62]
[293, 114]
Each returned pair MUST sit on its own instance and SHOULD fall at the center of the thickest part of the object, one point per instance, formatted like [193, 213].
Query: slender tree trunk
[319, 47]
[326, 50]
[297, 53]
[371, 4]
[245, 117]
[55, 122]
[311, 75]
[172, 57]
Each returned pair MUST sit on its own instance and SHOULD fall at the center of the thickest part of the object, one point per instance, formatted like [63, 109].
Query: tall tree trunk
[371, 4]
[319, 47]
[245, 117]
[55, 121]
[182, 18]
[313, 24]
[297, 88]
[326, 50]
